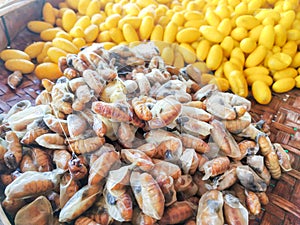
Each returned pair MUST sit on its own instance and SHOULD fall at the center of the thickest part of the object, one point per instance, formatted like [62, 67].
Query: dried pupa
[98, 126]
[47, 84]
[265, 145]
[107, 73]
[61, 158]
[27, 164]
[283, 157]
[77, 167]
[118, 179]
[196, 113]
[87, 145]
[210, 208]
[94, 81]
[204, 91]
[164, 112]
[251, 132]
[253, 203]
[140, 218]
[126, 134]
[62, 64]
[56, 125]
[67, 188]
[51, 141]
[101, 167]
[61, 98]
[247, 147]
[19, 106]
[158, 135]
[166, 168]
[234, 212]
[190, 141]
[76, 125]
[119, 207]
[227, 106]
[158, 76]
[177, 213]
[19, 120]
[142, 107]
[44, 98]
[15, 79]
[149, 149]
[265, 175]
[13, 155]
[249, 179]
[143, 84]
[99, 212]
[180, 95]
[189, 161]
[41, 209]
[226, 180]
[131, 87]
[224, 140]
[272, 163]
[96, 154]
[193, 126]
[263, 198]
[114, 91]
[41, 159]
[32, 183]
[137, 157]
[215, 166]
[170, 149]
[256, 162]
[83, 199]
[185, 186]
[34, 130]
[239, 124]
[76, 62]
[166, 184]
[148, 191]
[195, 72]
[120, 112]
[83, 93]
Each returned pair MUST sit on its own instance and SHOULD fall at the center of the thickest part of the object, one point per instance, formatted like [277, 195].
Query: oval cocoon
[34, 49]
[284, 85]
[214, 57]
[261, 92]
[48, 70]
[279, 61]
[23, 65]
[188, 35]
[37, 26]
[13, 54]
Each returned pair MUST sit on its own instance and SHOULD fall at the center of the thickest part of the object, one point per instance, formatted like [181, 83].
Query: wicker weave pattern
[283, 117]
[30, 86]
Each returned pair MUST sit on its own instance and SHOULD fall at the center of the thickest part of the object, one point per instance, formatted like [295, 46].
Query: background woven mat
[30, 85]
[282, 115]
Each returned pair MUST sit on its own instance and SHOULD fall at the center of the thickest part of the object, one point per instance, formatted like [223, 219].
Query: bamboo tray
[282, 115]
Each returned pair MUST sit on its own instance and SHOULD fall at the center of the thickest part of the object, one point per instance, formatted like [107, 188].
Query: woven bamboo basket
[282, 114]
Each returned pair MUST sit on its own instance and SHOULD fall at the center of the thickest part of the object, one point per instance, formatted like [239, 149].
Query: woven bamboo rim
[282, 116]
